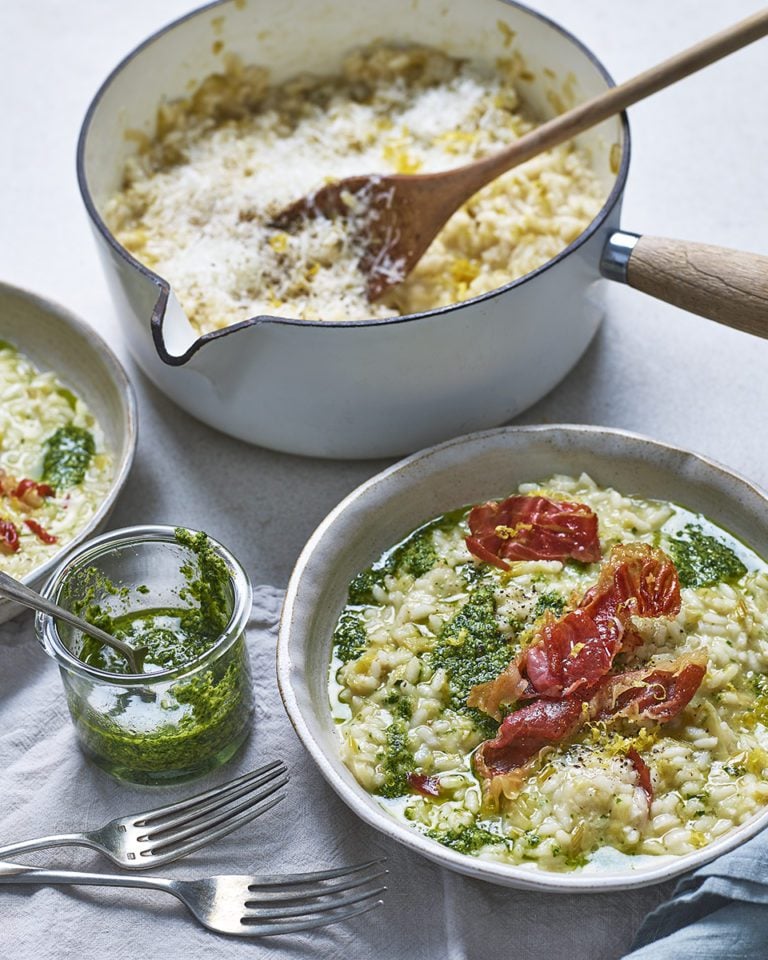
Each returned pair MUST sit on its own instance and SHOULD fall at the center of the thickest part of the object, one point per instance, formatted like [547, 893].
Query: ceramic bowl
[55, 339]
[468, 470]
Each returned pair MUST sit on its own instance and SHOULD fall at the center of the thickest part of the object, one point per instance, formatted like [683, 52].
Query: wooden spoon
[13, 589]
[394, 218]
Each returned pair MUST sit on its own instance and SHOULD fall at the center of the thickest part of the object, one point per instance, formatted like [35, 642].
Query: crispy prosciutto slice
[532, 528]
[655, 693]
[506, 688]
[659, 693]
[525, 732]
[565, 672]
[643, 773]
[9, 537]
[40, 532]
[572, 655]
[428, 786]
[637, 580]
[31, 493]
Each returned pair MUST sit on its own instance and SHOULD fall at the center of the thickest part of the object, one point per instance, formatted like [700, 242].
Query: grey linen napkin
[46, 786]
[720, 911]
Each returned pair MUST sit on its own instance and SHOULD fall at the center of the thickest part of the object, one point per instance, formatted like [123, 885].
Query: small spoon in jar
[394, 217]
[14, 590]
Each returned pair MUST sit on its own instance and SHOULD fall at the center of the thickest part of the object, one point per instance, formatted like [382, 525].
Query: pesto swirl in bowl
[428, 623]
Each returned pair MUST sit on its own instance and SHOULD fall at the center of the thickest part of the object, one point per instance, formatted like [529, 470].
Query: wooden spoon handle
[727, 286]
[613, 101]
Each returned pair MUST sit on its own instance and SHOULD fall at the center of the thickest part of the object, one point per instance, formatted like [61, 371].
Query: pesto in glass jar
[186, 599]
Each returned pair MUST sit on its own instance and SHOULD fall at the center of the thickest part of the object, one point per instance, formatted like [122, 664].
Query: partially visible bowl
[467, 470]
[55, 339]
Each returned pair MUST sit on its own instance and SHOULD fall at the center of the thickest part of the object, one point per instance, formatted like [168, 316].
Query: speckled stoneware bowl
[462, 471]
[55, 339]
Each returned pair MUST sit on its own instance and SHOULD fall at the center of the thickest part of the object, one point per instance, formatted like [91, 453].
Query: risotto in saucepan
[567, 676]
[198, 199]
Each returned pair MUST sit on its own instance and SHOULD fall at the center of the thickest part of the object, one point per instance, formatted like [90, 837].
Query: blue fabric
[719, 911]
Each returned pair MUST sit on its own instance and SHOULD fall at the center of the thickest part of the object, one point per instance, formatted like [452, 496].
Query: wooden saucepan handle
[728, 286]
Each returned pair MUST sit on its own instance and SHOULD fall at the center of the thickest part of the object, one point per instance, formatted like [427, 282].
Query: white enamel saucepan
[384, 387]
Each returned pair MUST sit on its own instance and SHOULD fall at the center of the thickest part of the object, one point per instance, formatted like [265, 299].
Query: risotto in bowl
[541, 657]
[67, 434]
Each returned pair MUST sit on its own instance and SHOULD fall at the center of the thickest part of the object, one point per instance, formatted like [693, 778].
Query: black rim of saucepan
[159, 309]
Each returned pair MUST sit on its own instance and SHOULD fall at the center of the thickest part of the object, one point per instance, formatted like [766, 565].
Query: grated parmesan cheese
[197, 200]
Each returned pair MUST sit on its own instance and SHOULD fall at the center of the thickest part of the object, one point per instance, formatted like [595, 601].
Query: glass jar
[168, 725]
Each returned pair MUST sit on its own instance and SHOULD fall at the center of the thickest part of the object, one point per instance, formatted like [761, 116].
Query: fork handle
[39, 843]
[18, 873]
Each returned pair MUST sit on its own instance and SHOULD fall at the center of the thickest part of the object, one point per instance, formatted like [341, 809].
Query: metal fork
[257, 906]
[141, 841]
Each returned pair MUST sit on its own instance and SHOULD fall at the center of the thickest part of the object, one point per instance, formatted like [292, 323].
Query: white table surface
[697, 172]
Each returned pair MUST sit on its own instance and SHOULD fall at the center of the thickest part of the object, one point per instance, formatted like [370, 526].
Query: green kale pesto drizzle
[470, 647]
[350, 637]
[187, 723]
[472, 650]
[416, 555]
[68, 454]
[703, 560]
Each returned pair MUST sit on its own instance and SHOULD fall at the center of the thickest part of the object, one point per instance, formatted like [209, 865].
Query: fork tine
[217, 826]
[149, 817]
[174, 852]
[310, 909]
[292, 879]
[255, 929]
[346, 883]
[193, 822]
